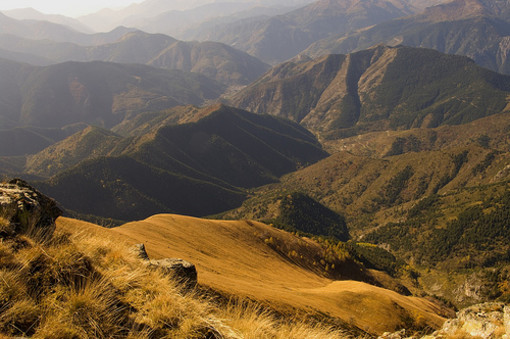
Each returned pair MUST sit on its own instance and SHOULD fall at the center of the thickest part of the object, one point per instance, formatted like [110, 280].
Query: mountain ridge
[377, 89]
[214, 60]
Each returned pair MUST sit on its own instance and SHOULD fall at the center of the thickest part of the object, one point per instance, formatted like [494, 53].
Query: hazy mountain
[32, 14]
[212, 59]
[98, 92]
[479, 29]
[156, 13]
[192, 168]
[281, 37]
[40, 30]
[378, 89]
[30, 140]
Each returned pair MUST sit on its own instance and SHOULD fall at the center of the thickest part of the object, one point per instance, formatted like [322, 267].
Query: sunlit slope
[254, 260]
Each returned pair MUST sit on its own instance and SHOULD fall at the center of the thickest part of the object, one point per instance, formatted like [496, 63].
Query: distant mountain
[282, 37]
[97, 92]
[212, 59]
[378, 89]
[479, 29]
[40, 30]
[166, 15]
[193, 168]
[32, 14]
[30, 140]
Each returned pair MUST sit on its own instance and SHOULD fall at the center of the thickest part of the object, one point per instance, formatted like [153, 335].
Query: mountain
[377, 89]
[41, 30]
[97, 92]
[30, 140]
[198, 168]
[214, 60]
[32, 14]
[282, 37]
[478, 29]
[156, 13]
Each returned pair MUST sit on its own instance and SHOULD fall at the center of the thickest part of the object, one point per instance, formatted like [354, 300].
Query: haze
[69, 8]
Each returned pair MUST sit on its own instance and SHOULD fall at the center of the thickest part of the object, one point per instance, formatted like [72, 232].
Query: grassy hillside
[378, 89]
[99, 93]
[85, 282]
[257, 261]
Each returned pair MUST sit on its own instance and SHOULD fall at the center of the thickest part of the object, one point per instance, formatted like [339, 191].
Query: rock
[488, 320]
[139, 251]
[396, 335]
[24, 210]
[181, 269]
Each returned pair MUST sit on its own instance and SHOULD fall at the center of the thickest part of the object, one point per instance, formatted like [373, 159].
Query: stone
[24, 210]
[487, 320]
[181, 269]
[139, 251]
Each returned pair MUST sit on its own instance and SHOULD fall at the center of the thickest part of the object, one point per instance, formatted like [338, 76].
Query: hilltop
[251, 259]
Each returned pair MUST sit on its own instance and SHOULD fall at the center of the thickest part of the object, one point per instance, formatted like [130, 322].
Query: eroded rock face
[24, 210]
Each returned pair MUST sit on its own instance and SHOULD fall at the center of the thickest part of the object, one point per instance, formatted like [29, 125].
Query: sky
[73, 8]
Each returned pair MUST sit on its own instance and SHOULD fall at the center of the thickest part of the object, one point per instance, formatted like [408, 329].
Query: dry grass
[234, 258]
[88, 285]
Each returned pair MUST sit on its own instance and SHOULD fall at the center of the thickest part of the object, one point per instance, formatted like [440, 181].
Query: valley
[339, 166]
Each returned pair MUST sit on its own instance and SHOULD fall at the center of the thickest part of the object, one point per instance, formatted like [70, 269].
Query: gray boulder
[182, 270]
[24, 210]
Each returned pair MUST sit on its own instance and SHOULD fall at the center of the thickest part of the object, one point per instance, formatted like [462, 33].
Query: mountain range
[377, 89]
[279, 38]
[478, 29]
[100, 93]
[215, 60]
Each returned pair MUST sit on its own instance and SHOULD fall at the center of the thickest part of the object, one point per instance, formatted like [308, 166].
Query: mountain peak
[463, 9]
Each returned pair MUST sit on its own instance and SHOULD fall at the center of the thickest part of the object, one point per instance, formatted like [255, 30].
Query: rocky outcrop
[24, 210]
[182, 270]
[488, 320]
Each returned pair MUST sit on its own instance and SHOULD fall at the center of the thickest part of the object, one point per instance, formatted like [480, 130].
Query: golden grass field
[235, 258]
